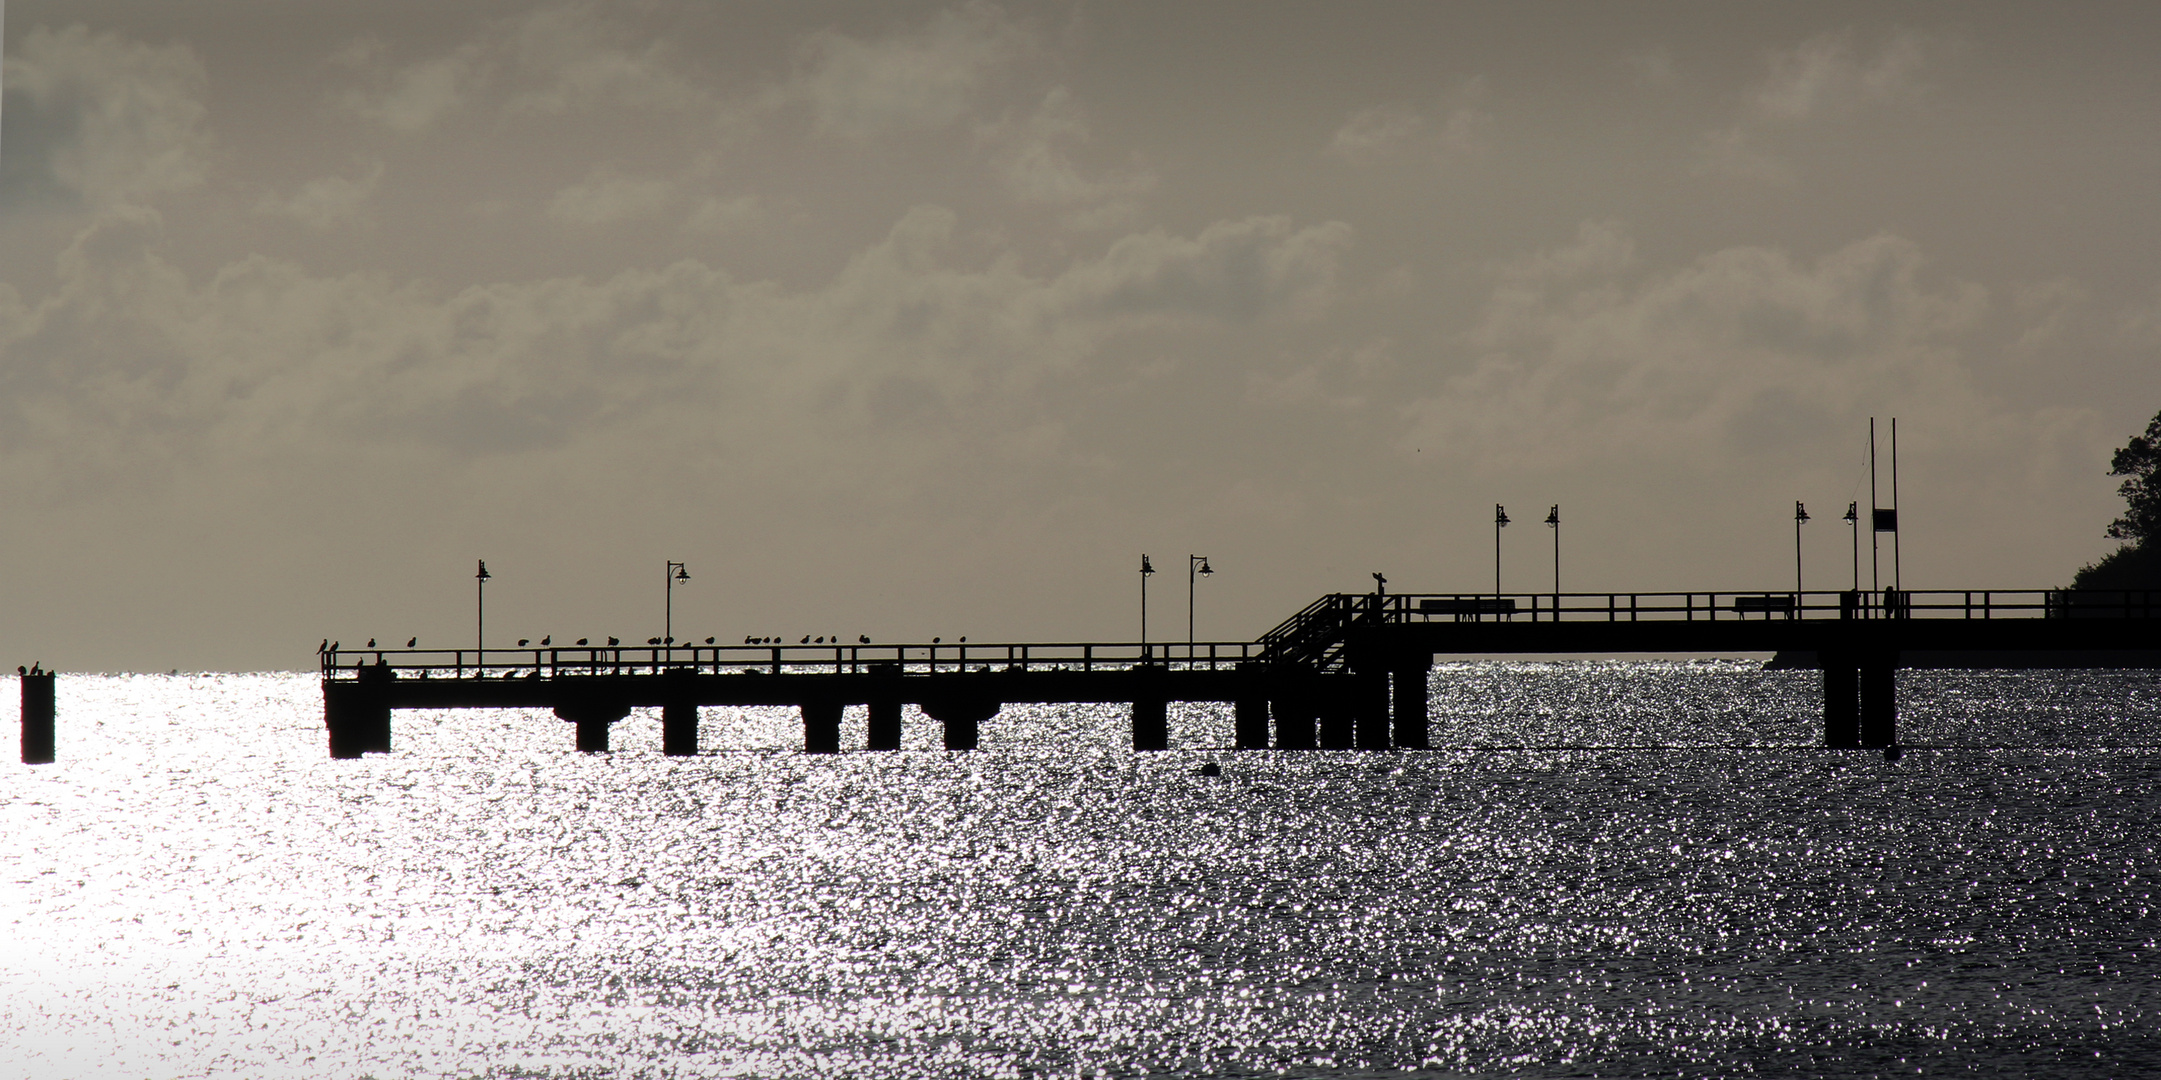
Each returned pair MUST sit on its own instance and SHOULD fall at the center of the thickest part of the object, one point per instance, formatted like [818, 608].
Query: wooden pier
[1347, 672]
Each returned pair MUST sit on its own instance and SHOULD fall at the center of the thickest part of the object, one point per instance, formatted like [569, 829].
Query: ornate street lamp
[674, 573]
[1193, 561]
[480, 607]
[1147, 570]
[1800, 518]
[1500, 521]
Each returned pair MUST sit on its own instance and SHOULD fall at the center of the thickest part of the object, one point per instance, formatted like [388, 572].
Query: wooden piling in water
[37, 718]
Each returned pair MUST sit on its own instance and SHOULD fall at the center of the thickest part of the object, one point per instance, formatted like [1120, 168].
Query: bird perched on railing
[412, 641]
[371, 643]
[581, 641]
[523, 642]
[545, 639]
[708, 641]
[864, 638]
[323, 648]
[613, 641]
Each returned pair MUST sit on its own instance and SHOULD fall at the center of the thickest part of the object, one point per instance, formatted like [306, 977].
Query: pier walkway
[1347, 672]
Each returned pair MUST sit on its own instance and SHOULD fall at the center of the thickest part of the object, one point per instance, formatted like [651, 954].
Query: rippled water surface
[1624, 869]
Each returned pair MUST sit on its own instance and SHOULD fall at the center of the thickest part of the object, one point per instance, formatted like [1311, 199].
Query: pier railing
[541, 662]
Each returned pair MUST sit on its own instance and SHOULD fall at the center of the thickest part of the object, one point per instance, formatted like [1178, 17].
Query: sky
[913, 319]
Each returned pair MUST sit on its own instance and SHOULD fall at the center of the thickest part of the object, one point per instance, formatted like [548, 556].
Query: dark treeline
[2136, 565]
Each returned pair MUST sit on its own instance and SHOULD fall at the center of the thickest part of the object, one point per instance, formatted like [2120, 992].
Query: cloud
[106, 119]
[1825, 76]
[607, 196]
[566, 58]
[1382, 132]
[130, 368]
[1032, 158]
[717, 215]
[327, 201]
[927, 78]
[1583, 355]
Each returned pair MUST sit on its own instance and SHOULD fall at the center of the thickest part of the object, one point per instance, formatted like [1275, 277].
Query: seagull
[371, 643]
[805, 641]
[547, 639]
[864, 638]
[935, 641]
[667, 641]
[612, 641]
[522, 642]
[334, 645]
[21, 670]
[652, 641]
[747, 641]
[964, 639]
[412, 641]
[708, 641]
[323, 648]
[581, 641]
[820, 641]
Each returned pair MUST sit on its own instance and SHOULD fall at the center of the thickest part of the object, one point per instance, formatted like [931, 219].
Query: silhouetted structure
[1347, 672]
[37, 717]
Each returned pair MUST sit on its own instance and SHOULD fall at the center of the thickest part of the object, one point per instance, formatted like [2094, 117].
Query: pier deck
[1348, 671]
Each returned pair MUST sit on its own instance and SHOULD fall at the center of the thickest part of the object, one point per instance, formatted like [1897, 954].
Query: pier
[1349, 671]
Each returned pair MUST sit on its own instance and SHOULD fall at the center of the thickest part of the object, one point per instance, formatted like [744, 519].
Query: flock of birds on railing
[547, 641]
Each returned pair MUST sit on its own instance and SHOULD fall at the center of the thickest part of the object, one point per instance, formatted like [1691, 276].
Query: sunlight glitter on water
[196, 890]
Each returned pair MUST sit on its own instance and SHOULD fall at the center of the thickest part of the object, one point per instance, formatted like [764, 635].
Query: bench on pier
[1467, 607]
[1782, 603]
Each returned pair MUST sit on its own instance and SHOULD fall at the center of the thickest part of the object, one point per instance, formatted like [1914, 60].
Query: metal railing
[1342, 610]
[921, 659]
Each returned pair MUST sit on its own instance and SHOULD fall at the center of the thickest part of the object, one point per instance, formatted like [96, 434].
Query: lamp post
[1853, 520]
[480, 607]
[1192, 561]
[1147, 569]
[1800, 517]
[1553, 519]
[674, 573]
[1500, 521]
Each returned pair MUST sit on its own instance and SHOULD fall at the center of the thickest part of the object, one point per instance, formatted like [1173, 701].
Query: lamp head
[1853, 513]
[1500, 516]
[1553, 516]
[483, 575]
[681, 574]
[1146, 566]
[1800, 512]
[1205, 570]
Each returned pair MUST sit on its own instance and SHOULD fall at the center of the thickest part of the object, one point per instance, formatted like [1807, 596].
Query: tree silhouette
[2137, 564]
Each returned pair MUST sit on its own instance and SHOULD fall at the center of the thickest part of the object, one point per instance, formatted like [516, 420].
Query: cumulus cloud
[327, 201]
[607, 196]
[1032, 157]
[1823, 78]
[131, 362]
[925, 78]
[552, 60]
[106, 119]
[1382, 132]
[1582, 354]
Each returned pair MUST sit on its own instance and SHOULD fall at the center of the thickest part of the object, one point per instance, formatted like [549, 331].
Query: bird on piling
[412, 641]
[323, 648]
[334, 645]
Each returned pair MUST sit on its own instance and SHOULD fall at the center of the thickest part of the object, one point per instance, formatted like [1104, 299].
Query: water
[1646, 869]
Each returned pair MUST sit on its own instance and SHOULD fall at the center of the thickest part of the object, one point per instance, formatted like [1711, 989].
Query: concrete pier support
[1337, 715]
[1841, 701]
[884, 726]
[357, 713]
[1292, 704]
[679, 728]
[37, 719]
[1410, 704]
[1369, 690]
[1151, 724]
[1249, 719]
[593, 716]
[821, 727]
[963, 719]
[1879, 700]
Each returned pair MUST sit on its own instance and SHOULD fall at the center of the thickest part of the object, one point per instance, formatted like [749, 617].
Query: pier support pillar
[884, 727]
[593, 718]
[357, 713]
[679, 728]
[1410, 704]
[37, 718]
[1879, 700]
[1292, 705]
[1841, 700]
[821, 727]
[1335, 707]
[1370, 707]
[1249, 710]
[1151, 724]
[963, 719]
